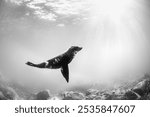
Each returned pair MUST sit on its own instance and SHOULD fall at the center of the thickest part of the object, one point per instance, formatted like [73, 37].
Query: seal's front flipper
[65, 72]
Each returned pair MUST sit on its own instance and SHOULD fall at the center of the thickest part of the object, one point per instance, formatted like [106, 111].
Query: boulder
[8, 93]
[73, 96]
[2, 97]
[142, 88]
[131, 95]
[42, 95]
[91, 92]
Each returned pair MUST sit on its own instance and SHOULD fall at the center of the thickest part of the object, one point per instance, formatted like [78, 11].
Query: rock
[55, 98]
[131, 95]
[91, 97]
[106, 96]
[148, 97]
[43, 95]
[11, 94]
[2, 97]
[97, 98]
[73, 96]
[91, 92]
[142, 87]
[8, 93]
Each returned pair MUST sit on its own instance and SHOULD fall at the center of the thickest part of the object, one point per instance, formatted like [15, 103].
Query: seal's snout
[79, 48]
[75, 48]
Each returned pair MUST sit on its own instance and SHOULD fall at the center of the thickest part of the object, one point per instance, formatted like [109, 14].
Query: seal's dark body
[60, 61]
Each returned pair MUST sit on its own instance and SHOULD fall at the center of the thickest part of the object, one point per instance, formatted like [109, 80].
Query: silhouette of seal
[60, 61]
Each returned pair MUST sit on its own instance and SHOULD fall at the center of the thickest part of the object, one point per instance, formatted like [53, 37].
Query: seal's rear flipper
[30, 64]
[65, 72]
[41, 65]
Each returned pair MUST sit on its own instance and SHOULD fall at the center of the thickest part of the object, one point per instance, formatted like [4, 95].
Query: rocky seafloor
[137, 90]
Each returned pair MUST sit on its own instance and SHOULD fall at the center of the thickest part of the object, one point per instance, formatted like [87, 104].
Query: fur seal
[60, 61]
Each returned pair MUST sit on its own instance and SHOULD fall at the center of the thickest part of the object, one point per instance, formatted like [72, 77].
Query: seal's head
[74, 49]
